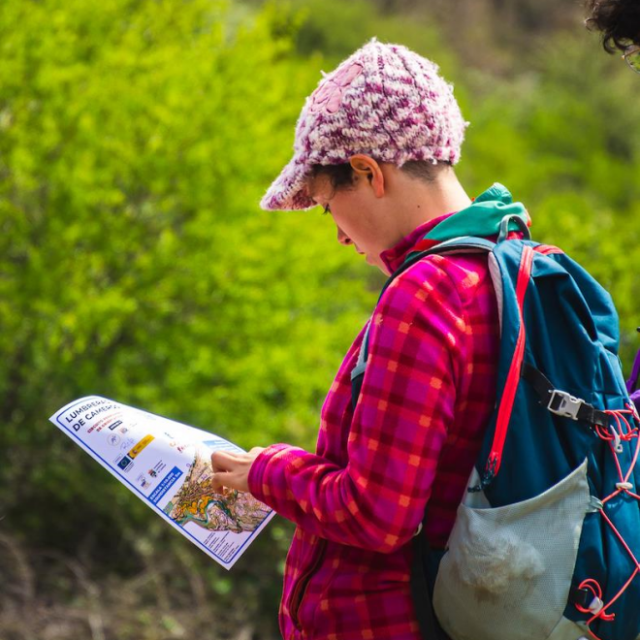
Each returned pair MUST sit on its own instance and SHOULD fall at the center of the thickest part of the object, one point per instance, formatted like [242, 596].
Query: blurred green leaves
[136, 139]
[561, 134]
[136, 143]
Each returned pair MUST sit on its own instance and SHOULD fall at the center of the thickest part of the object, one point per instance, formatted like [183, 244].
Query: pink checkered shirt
[427, 394]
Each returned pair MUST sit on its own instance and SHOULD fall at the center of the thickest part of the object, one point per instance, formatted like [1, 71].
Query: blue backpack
[546, 544]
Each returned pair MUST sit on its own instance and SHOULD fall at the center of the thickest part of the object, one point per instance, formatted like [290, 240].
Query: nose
[343, 238]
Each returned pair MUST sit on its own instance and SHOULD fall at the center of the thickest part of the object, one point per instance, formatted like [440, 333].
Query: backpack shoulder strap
[464, 244]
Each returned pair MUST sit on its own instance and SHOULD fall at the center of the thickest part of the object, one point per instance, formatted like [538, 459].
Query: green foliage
[135, 143]
[562, 136]
[336, 29]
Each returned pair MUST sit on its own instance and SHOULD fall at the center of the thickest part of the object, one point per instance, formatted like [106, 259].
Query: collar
[394, 257]
[485, 217]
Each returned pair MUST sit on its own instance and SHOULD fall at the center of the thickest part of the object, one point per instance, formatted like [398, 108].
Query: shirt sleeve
[406, 405]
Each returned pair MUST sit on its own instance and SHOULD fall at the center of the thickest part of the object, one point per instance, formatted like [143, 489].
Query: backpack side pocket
[507, 572]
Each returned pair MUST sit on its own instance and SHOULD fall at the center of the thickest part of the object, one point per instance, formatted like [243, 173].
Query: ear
[366, 167]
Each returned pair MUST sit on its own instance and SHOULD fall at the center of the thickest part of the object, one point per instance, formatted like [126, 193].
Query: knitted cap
[384, 101]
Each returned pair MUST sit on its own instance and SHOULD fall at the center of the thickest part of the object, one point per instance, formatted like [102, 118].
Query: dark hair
[341, 175]
[618, 20]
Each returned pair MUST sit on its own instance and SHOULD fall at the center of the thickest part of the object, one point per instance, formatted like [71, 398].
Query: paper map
[168, 465]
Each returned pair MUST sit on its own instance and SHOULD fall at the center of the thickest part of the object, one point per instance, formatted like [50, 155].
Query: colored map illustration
[228, 510]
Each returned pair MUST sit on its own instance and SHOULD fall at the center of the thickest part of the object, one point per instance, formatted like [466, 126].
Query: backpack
[546, 543]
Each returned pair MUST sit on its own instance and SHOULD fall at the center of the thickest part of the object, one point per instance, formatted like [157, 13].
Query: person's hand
[231, 469]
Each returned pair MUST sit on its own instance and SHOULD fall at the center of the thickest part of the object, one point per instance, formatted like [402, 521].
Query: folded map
[167, 464]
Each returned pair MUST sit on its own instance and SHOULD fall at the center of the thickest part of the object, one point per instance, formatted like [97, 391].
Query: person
[375, 147]
[619, 23]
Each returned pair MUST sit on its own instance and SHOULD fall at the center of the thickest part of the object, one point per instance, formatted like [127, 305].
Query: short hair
[618, 20]
[341, 175]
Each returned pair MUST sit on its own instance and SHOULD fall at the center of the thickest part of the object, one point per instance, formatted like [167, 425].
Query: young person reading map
[375, 147]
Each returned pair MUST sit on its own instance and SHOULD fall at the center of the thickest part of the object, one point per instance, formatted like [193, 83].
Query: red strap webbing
[513, 377]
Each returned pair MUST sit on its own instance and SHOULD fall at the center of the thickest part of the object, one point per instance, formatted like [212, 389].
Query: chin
[378, 264]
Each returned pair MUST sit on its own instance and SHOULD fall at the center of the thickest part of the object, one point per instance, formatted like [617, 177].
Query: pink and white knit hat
[384, 101]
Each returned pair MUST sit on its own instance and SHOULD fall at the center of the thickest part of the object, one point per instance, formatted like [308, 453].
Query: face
[357, 216]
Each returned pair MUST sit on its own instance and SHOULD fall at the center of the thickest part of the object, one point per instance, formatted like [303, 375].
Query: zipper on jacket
[301, 587]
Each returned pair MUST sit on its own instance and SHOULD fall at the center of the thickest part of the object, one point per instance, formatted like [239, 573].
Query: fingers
[227, 468]
[220, 480]
[220, 465]
[228, 460]
[231, 469]
[222, 460]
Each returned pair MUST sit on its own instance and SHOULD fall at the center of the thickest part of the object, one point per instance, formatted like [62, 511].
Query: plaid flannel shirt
[427, 394]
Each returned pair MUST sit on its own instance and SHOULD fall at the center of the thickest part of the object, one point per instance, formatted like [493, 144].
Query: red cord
[622, 431]
[596, 590]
